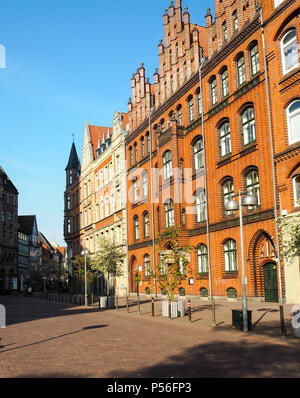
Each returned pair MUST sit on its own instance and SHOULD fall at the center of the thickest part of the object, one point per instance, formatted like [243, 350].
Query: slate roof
[73, 159]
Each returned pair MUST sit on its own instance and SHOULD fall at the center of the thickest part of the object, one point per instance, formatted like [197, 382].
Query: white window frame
[289, 116]
[283, 58]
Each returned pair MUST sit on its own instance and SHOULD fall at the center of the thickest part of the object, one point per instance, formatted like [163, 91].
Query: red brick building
[233, 140]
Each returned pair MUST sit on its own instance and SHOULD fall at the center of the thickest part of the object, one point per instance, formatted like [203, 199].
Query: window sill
[230, 275]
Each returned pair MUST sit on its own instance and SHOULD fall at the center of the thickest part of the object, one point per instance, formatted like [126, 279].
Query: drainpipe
[152, 201]
[272, 153]
[205, 171]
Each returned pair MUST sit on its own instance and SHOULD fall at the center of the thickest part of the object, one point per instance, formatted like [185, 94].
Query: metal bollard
[282, 325]
[213, 313]
[127, 304]
[170, 315]
[117, 303]
[152, 306]
[190, 310]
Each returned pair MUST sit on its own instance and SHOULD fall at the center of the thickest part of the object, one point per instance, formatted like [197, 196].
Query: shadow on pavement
[225, 360]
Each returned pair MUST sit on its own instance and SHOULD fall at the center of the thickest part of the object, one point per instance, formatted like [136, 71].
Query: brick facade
[234, 89]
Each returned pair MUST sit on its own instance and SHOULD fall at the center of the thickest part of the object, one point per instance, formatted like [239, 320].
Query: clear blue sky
[66, 62]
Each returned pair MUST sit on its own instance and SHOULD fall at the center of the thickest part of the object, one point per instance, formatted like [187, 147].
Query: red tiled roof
[96, 133]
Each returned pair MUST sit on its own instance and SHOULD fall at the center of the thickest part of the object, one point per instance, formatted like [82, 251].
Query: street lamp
[232, 205]
[85, 253]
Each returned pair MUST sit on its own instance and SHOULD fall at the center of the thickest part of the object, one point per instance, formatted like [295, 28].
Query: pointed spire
[73, 163]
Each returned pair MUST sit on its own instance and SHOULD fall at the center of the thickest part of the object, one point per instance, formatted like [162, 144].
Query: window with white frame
[225, 83]
[228, 193]
[289, 49]
[136, 228]
[225, 139]
[169, 213]
[293, 119]
[147, 266]
[167, 162]
[201, 205]
[278, 2]
[235, 20]
[225, 32]
[191, 108]
[179, 115]
[146, 225]
[198, 154]
[254, 59]
[241, 70]
[213, 91]
[202, 259]
[296, 183]
[252, 186]
[248, 126]
[135, 190]
[230, 255]
[145, 185]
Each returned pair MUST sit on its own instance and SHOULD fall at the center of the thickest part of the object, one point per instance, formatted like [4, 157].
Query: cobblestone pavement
[45, 339]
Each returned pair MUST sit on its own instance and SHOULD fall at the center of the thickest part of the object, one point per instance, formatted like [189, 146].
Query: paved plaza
[46, 339]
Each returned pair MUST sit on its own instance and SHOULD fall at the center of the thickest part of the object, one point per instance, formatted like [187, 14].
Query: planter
[177, 309]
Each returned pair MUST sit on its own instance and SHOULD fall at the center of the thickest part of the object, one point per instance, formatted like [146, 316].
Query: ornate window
[203, 292]
[293, 118]
[179, 115]
[248, 126]
[289, 50]
[169, 213]
[231, 293]
[202, 259]
[198, 154]
[167, 161]
[230, 255]
[225, 139]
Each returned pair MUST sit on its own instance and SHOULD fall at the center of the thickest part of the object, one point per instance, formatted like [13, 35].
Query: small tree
[56, 275]
[109, 260]
[36, 278]
[78, 272]
[175, 262]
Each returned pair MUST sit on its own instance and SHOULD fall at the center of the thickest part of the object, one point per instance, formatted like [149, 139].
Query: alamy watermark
[2, 317]
[2, 56]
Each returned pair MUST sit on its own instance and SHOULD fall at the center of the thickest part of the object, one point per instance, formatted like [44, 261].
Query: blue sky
[66, 62]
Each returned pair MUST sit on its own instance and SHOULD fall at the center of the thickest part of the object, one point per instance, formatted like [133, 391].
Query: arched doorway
[270, 282]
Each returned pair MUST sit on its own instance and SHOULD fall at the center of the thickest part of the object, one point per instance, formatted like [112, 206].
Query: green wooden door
[270, 282]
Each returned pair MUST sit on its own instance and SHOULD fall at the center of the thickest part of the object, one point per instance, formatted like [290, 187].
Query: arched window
[146, 225]
[213, 91]
[228, 193]
[135, 190]
[225, 32]
[68, 202]
[143, 147]
[203, 292]
[225, 83]
[147, 266]
[169, 213]
[69, 226]
[231, 293]
[135, 152]
[202, 259]
[148, 142]
[170, 57]
[145, 185]
[296, 183]
[130, 156]
[179, 115]
[225, 139]
[162, 125]
[230, 256]
[241, 70]
[147, 291]
[70, 177]
[199, 102]
[191, 108]
[167, 161]
[254, 59]
[248, 126]
[198, 154]
[293, 118]
[181, 291]
[252, 186]
[136, 228]
[289, 49]
[201, 205]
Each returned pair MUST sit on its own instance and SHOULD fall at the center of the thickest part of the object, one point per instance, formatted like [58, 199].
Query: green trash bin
[237, 319]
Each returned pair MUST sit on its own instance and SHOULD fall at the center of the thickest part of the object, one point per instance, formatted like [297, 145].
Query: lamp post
[232, 205]
[85, 253]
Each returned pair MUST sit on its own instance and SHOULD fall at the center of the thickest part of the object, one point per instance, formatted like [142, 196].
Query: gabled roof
[8, 185]
[99, 131]
[73, 159]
